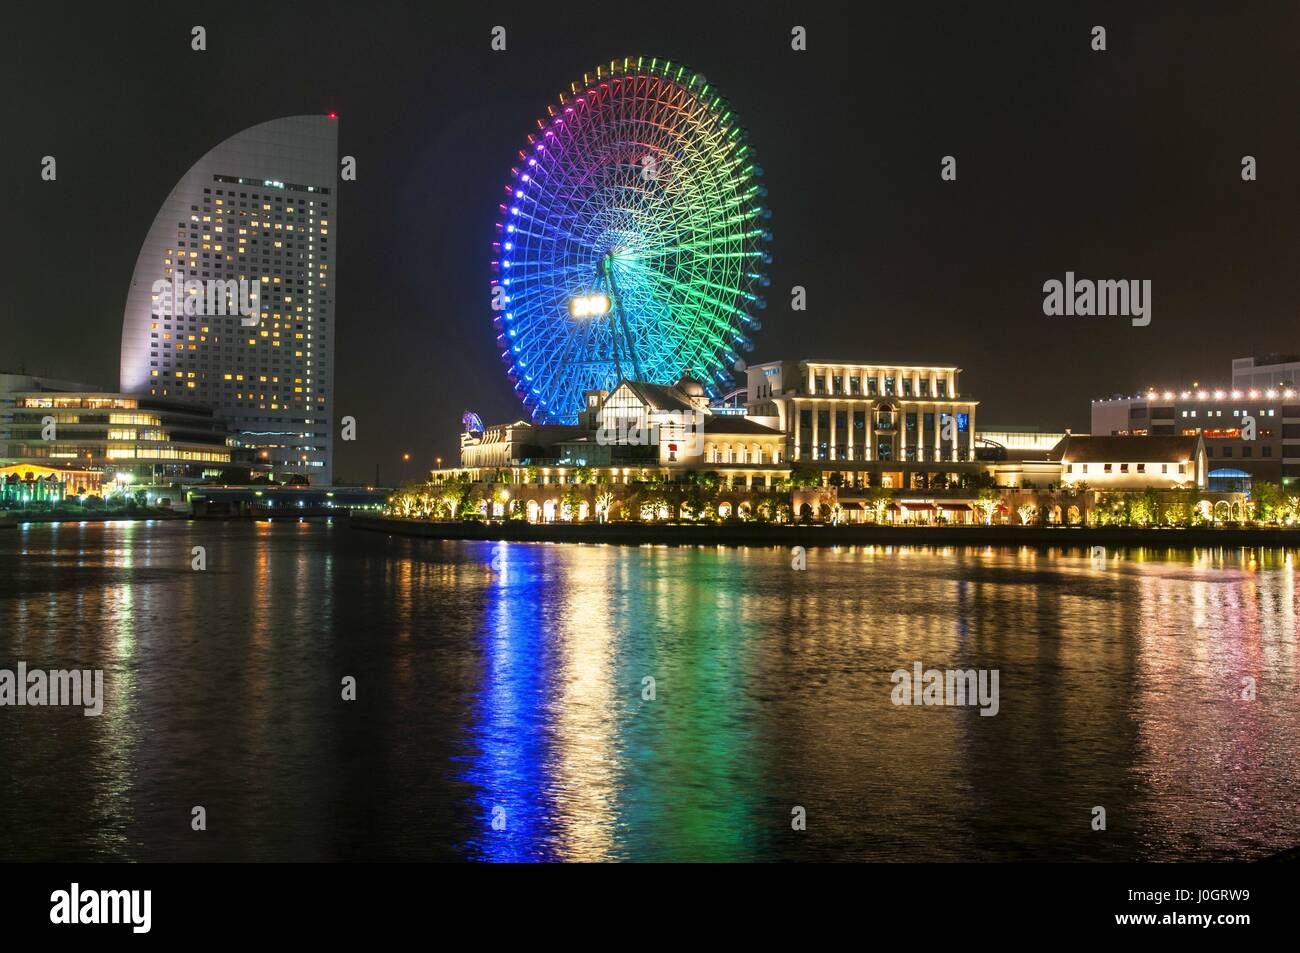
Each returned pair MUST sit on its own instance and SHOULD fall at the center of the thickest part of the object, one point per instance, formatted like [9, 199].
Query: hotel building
[260, 208]
[892, 425]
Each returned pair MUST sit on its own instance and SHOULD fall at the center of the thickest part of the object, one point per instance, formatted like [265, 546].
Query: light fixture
[589, 306]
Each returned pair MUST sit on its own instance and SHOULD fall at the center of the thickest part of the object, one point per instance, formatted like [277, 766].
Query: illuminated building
[22, 484]
[123, 437]
[1250, 435]
[637, 426]
[261, 208]
[1131, 462]
[1266, 372]
[894, 425]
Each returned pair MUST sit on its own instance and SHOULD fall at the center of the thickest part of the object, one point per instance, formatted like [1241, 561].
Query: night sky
[1122, 164]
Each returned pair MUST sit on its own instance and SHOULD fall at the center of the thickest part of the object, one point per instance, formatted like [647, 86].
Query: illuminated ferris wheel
[631, 240]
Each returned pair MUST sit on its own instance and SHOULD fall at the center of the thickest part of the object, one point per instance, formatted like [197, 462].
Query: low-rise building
[1251, 428]
[126, 438]
[1132, 462]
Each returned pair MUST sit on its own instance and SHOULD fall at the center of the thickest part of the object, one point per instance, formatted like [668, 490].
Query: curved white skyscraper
[260, 208]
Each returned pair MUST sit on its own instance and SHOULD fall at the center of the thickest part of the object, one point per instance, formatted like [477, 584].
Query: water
[519, 692]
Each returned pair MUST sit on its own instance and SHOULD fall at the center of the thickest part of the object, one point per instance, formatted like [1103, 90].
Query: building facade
[124, 438]
[835, 442]
[1278, 372]
[260, 208]
[1133, 462]
[897, 425]
[1250, 435]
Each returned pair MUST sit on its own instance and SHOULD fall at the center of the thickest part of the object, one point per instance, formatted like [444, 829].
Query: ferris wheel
[631, 241]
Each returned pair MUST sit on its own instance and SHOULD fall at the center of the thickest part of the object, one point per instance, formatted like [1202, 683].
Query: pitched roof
[1082, 448]
[733, 424]
[660, 396]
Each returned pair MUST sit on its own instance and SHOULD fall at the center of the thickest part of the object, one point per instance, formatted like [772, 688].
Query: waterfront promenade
[796, 534]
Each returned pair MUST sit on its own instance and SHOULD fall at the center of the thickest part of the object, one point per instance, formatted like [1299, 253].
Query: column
[970, 432]
[848, 419]
[901, 420]
[794, 409]
[831, 452]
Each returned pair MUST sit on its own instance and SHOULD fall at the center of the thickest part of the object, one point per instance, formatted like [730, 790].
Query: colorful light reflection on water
[507, 681]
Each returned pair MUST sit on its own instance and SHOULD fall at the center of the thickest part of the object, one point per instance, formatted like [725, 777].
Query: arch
[533, 511]
[725, 509]
[1073, 516]
[1054, 513]
[1222, 511]
[548, 511]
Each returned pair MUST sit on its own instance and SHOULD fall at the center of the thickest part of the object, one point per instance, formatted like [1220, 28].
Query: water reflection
[511, 683]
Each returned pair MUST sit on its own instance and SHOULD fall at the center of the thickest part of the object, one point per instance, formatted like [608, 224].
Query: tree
[1189, 500]
[470, 502]
[1148, 510]
[1026, 512]
[604, 500]
[804, 476]
[571, 501]
[1268, 501]
[878, 498]
[986, 502]
[450, 501]
[1292, 508]
[698, 500]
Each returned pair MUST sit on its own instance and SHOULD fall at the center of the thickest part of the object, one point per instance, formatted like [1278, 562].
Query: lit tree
[986, 503]
[1026, 512]
[604, 500]
[878, 498]
[572, 502]
[1292, 509]
[451, 501]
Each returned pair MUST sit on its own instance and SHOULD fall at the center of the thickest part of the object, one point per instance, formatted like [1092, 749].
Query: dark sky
[1122, 164]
